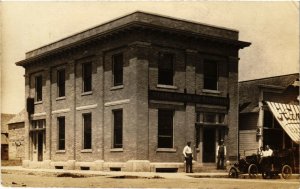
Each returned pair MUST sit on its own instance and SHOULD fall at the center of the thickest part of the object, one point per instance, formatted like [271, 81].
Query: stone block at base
[98, 165]
[137, 166]
[25, 163]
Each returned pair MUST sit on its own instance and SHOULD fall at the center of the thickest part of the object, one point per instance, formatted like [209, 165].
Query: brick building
[128, 95]
[269, 114]
[16, 130]
[4, 135]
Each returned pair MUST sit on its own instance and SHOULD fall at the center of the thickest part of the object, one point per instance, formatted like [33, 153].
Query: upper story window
[61, 80]
[165, 128]
[38, 88]
[118, 128]
[87, 76]
[165, 69]
[210, 75]
[117, 69]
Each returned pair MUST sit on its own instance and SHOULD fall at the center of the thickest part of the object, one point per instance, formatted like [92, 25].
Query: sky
[271, 27]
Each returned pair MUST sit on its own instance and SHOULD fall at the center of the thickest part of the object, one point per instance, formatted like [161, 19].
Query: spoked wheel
[286, 171]
[252, 171]
[233, 173]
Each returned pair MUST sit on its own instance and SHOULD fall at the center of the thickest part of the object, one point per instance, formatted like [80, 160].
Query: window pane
[165, 69]
[61, 133]
[209, 118]
[165, 128]
[87, 127]
[118, 69]
[210, 75]
[268, 119]
[61, 82]
[87, 76]
[221, 118]
[39, 88]
[118, 128]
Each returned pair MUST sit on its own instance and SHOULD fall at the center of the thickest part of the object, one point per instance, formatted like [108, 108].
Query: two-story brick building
[128, 95]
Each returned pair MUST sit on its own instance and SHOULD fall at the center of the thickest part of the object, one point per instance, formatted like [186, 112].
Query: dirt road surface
[43, 180]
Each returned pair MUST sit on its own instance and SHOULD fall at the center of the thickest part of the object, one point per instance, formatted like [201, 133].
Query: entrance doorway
[40, 146]
[209, 145]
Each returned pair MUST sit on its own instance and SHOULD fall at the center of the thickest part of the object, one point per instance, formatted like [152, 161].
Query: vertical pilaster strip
[27, 118]
[233, 133]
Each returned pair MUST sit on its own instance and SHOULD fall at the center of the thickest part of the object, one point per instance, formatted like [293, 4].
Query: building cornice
[137, 21]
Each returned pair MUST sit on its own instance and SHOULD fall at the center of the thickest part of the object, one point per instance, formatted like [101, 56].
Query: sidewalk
[121, 174]
[180, 175]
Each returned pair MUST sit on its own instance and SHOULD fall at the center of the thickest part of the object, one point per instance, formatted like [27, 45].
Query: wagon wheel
[252, 171]
[233, 173]
[286, 171]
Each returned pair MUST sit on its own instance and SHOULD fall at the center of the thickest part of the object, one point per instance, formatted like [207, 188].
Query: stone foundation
[100, 165]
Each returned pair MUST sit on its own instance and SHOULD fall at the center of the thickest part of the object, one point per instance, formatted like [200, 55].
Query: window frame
[117, 127]
[117, 70]
[163, 71]
[159, 129]
[61, 84]
[85, 145]
[59, 139]
[39, 88]
[87, 78]
[208, 77]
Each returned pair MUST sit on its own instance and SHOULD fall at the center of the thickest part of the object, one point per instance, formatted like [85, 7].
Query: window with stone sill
[210, 75]
[61, 133]
[87, 76]
[118, 64]
[38, 88]
[165, 128]
[166, 69]
[87, 131]
[118, 128]
[61, 80]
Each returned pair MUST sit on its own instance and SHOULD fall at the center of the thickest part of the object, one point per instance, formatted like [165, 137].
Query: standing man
[188, 155]
[221, 152]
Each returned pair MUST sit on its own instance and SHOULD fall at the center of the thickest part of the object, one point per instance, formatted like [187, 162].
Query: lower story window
[61, 133]
[165, 128]
[118, 129]
[87, 131]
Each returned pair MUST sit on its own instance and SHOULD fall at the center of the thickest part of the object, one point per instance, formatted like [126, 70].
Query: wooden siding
[248, 142]
[248, 121]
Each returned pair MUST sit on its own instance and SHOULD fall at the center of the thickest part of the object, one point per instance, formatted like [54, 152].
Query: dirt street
[12, 179]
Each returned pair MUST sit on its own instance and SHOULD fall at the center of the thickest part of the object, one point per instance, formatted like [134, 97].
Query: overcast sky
[271, 27]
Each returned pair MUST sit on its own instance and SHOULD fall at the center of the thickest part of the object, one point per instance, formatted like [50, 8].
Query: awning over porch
[288, 116]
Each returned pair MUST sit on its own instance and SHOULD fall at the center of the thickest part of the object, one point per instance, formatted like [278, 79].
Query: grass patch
[70, 175]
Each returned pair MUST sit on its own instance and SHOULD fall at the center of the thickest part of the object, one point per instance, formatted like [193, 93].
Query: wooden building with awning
[288, 117]
[269, 114]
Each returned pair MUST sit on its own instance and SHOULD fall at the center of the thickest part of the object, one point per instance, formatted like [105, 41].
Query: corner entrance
[209, 145]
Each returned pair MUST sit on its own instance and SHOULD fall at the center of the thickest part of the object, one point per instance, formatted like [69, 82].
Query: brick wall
[16, 141]
[139, 114]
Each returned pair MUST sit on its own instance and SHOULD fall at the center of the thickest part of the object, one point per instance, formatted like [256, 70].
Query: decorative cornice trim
[61, 111]
[118, 102]
[92, 106]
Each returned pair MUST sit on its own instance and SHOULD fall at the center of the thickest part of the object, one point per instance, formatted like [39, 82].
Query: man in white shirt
[221, 154]
[267, 152]
[188, 155]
